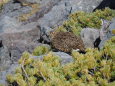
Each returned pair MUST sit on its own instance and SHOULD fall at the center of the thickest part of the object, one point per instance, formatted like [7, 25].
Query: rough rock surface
[4, 58]
[15, 39]
[108, 34]
[10, 70]
[89, 36]
[65, 58]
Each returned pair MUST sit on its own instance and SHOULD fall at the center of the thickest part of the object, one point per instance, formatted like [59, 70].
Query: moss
[111, 84]
[95, 68]
[40, 50]
[113, 31]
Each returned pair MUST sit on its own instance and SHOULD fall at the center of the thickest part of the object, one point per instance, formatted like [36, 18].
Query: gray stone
[9, 70]
[64, 57]
[14, 9]
[108, 34]
[15, 38]
[4, 58]
[104, 29]
[111, 27]
[8, 24]
[89, 36]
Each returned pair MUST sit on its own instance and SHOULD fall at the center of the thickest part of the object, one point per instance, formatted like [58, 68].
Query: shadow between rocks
[106, 3]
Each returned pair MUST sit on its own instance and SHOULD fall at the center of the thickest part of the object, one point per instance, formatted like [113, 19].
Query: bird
[66, 41]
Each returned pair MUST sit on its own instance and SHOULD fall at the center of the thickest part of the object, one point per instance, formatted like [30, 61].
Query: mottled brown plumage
[66, 41]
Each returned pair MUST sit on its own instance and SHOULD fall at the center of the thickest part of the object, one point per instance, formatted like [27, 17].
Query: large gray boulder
[17, 38]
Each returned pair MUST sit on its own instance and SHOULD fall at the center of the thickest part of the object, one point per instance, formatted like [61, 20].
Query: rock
[109, 34]
[104, 28]
[111, 28]
[92, 37]
[89, 36]
[4, 58]
[14, 10]
[8, 24]
[17, 38]
[84, 5]
[65, 58]
[14, 44]
[60, 11]
[9, 70]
